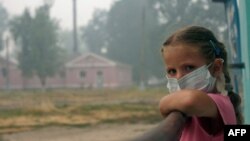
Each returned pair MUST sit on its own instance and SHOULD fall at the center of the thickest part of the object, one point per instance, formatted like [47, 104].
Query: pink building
[85, 71]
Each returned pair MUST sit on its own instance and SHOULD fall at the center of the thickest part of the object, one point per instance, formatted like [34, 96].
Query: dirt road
[106, 132]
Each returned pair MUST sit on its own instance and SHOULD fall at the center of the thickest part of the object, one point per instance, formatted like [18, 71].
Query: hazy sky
[61, 9]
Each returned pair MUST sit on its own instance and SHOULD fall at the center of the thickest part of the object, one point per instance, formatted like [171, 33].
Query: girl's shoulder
[225, 108]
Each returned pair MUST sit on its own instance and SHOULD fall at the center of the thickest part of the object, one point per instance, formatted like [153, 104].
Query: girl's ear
[218, 67]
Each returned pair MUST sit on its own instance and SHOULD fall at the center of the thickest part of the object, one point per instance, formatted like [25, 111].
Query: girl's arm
[190, 102]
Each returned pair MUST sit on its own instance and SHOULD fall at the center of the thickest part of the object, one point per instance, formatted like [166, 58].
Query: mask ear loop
[222, 60]
[220, 85]
[220, 82]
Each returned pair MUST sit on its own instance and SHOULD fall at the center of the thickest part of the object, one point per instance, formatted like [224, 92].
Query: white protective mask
[199, 79]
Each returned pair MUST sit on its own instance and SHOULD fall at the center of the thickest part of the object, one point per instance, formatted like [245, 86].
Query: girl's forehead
[182, 53]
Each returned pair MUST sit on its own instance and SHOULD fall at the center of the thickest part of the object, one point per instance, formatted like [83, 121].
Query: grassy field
[24, 110]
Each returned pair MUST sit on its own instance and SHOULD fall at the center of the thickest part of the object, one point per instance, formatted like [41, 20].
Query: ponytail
[236, 101]
[234, 98]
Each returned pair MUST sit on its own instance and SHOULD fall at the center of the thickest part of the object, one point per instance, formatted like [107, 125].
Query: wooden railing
[167, 130]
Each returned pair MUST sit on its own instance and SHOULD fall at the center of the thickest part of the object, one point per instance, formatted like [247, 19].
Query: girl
[199, 83]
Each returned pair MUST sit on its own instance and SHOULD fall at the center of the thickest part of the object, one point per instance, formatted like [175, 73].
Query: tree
[66, 43]
[40, 54]
[95, 34]
[22, 32]
[174, 14]
[3, 24]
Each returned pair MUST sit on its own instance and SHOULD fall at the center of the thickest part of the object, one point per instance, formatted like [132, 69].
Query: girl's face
[182, 59]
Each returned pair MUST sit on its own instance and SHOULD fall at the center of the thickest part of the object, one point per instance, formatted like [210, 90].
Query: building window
[4, 72]
[82, 74]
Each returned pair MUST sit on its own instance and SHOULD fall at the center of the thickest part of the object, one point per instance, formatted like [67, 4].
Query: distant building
[85, 71]
[91, 70]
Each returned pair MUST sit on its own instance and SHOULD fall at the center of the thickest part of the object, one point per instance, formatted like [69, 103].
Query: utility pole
[7, 70]
[75, 38]
[142, 51]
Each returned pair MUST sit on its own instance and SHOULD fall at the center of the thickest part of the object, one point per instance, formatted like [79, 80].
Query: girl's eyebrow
[169, 68]
[182, 64]
[192, 62]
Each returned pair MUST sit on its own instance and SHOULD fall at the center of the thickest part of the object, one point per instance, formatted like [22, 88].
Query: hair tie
[216, 49]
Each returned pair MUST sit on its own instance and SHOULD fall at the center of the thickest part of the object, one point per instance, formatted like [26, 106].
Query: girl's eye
[189, 68]
[171, 72]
